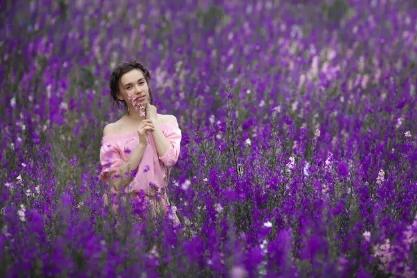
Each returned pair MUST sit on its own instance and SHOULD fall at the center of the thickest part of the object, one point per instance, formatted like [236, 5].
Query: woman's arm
[122, 169]
[161, 142]
[128, 169]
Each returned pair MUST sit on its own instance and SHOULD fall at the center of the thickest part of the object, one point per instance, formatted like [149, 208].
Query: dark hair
[118, 73]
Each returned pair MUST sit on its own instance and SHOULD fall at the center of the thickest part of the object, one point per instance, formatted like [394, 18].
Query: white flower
[240, 169]
[9, 185]
[19, 178]
[305, 170]
[218, 207]
[248, 142]
[29, 193]
[294, 106]
[212, 119]
[205, 179]
[268, 224]
[329, 161]
[37, 189]
[21, 213]
[13, 102]
[264, 246]
[290, 165]
[381, 177]
[317, 133]
[186, 184]
[153, 252]
[367, 235]
[277, 109]
[63, 105]
[238, 272]
[407, 134]
[172, 213]
[399, 122]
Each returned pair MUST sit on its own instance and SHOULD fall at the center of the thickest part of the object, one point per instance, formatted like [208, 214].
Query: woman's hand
[144, 126]
[151, 112]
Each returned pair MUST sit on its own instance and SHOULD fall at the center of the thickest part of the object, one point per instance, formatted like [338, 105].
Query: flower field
[299, 138]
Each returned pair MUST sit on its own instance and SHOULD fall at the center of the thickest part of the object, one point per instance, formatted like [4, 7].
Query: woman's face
[133, 87]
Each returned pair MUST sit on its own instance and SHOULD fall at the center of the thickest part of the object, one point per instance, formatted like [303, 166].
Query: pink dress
[151, 177]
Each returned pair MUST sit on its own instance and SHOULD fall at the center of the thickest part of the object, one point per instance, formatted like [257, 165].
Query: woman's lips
[140, 99]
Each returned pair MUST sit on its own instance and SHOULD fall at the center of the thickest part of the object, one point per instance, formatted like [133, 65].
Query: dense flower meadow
[298, 156]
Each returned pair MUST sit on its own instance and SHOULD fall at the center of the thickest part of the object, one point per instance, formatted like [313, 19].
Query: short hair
[117, 74]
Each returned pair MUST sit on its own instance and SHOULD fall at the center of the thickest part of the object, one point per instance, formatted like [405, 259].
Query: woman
[139, 149]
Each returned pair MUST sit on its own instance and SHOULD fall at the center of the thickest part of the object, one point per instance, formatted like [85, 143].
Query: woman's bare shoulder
[109, 129]
[167, 118]
[112, 128]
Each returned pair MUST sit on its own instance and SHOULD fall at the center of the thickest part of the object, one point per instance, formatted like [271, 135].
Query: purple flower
[146, 168]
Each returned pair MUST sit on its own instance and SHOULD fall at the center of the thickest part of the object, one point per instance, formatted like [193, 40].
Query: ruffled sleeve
[111, 158]
[172, 132]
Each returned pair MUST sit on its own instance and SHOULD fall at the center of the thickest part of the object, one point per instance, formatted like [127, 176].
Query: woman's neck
[134, 117]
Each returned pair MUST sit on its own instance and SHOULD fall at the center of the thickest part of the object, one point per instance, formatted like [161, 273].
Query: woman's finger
[149, 127]
[147, 124]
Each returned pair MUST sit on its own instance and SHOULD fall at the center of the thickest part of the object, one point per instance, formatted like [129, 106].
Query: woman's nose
[138, 90]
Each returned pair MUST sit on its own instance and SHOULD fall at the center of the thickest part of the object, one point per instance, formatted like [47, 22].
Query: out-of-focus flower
[268, 224]
[19, 178]
[381, 177]
[186, 184]
[317, 133]
[218, 207]
[410, 234]
[367, 235]
[328, 162]
[264, 246]
[29, 193]
[248, 142]
[238, 272]
[305, 170]
[325, 189]
[407, 134]
[240, 169]
[9, 185]
[22, 213]
[384, 253]
[291, 164]
[399, 122]
[153, 252]
[341, 263]
[13, 102]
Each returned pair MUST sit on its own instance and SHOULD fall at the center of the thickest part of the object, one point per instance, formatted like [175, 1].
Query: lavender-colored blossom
[298, 146]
